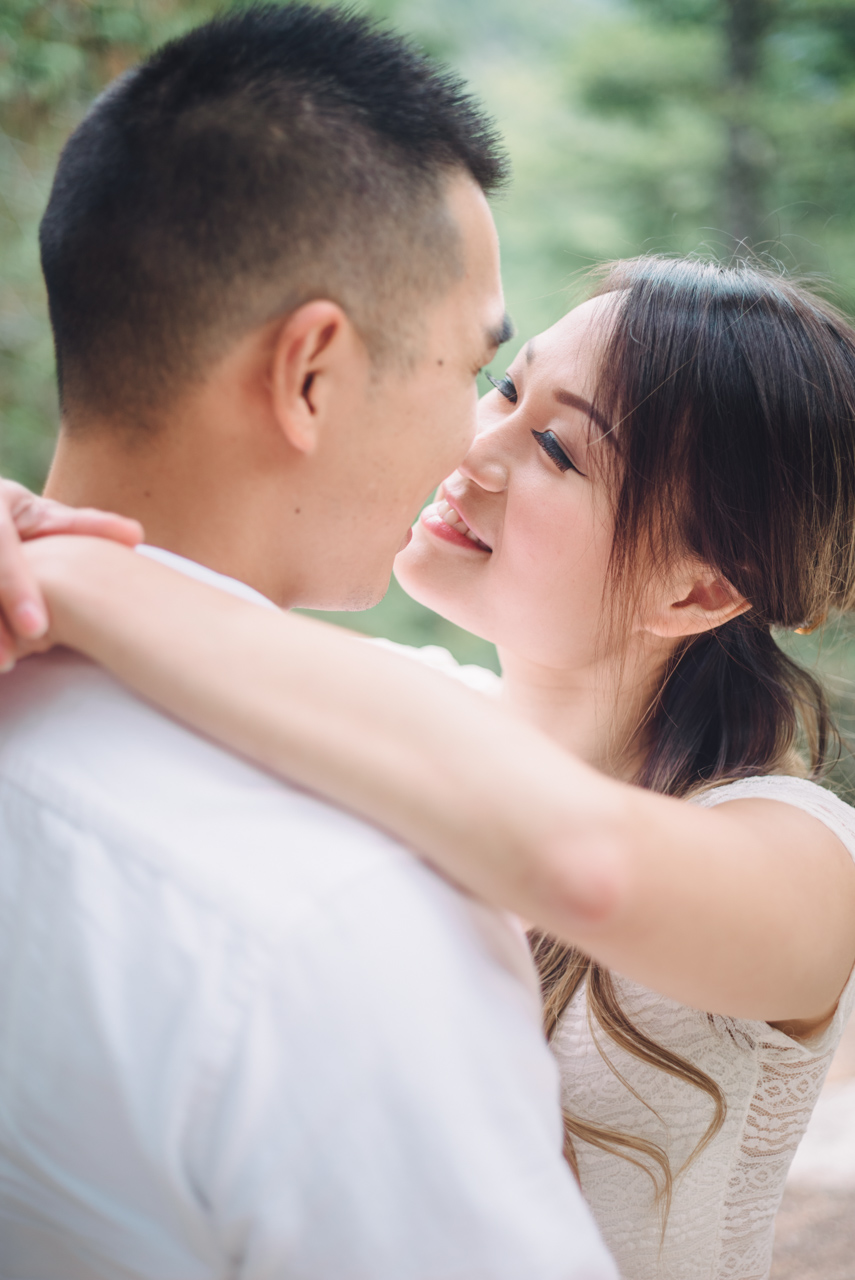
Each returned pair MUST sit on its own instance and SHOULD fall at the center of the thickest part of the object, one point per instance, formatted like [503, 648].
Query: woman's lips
[441, 519]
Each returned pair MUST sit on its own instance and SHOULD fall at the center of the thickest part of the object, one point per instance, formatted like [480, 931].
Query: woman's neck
[595, 712]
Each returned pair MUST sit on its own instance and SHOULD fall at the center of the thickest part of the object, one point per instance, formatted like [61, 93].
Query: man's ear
[705, 600]
[308, 348]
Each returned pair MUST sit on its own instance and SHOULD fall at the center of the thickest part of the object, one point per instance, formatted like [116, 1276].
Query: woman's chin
[428, 578]
[412, 573]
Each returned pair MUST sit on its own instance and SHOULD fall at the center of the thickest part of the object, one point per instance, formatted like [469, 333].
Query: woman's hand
[24, 516]
[74, 574]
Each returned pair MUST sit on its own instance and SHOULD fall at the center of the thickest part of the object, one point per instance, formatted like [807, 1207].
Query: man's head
[264, 164]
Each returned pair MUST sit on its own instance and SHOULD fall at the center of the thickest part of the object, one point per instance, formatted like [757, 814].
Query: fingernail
[7, 666]
[30, 621]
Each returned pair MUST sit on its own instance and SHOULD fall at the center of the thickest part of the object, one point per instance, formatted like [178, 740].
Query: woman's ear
[704, 600]
[307, 349]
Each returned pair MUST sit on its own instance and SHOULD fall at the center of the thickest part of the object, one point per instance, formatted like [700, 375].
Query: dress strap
[814, 799]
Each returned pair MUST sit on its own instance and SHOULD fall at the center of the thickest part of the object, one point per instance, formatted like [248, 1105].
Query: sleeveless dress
[722, 1218]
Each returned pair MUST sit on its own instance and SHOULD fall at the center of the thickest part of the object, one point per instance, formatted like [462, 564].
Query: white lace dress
[722, 1217]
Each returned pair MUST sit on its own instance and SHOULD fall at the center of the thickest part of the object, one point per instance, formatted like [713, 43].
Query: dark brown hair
[732, 397]
[276, 154]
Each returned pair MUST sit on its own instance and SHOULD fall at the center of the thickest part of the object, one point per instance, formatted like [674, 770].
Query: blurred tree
[744, 112]
[746, 24]
[54, 57]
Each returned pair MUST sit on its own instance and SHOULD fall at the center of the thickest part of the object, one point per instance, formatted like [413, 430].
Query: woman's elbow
[586, 885]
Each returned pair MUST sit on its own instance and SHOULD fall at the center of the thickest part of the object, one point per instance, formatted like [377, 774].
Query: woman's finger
[25, 515]
[21, 603]
[105, 524]
[42, 517]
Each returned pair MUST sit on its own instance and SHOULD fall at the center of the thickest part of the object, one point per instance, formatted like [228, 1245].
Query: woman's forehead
[572, 347]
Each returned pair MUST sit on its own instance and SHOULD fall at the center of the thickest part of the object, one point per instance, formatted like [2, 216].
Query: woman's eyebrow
[579, 402]
[572, 400]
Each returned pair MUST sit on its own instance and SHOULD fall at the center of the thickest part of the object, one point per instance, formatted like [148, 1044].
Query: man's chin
[360, 596]
[365, 591]
[367, 601]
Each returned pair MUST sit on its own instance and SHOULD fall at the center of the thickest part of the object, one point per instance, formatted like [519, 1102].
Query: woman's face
[533, 494]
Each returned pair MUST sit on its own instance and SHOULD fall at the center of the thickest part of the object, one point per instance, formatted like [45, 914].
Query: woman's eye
[504, 386]
[553, 450]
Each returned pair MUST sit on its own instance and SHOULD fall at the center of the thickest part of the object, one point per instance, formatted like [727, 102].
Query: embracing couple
[267, 1006]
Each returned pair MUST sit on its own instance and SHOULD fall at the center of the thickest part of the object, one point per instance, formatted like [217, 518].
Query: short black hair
[273, 155]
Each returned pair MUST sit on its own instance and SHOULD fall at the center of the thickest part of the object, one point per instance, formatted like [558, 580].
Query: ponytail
[733, 705]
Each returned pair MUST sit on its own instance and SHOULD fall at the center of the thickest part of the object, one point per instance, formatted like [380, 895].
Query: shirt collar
[203, 574]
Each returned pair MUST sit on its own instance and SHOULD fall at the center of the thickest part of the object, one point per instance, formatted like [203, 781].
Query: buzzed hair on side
[269, 157]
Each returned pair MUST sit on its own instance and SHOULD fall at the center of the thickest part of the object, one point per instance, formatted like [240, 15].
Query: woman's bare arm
[23, 516]
[746, 910]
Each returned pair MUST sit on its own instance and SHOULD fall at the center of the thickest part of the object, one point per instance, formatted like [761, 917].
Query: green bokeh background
[676, 125]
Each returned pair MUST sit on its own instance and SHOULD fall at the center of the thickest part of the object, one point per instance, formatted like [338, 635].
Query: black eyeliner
[553, 450]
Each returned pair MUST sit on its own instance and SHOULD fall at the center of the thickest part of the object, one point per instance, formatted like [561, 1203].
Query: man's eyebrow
[579, 402]
[499, 334]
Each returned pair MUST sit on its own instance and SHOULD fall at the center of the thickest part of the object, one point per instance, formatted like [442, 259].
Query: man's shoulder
[95, 775]
[307, 997]
[78, 746]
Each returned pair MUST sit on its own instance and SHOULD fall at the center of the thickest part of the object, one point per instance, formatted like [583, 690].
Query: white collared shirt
[243, 1034]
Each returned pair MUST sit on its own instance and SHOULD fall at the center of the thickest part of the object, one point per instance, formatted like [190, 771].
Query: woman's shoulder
[802, 793]
[481, 679]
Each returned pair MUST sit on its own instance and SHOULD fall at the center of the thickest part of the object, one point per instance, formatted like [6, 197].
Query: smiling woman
[535, 489]
[658, 481]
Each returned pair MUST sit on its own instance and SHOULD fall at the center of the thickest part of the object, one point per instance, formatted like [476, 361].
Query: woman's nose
[486, 463]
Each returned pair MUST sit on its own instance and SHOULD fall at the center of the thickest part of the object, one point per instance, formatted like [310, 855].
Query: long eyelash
[504, 386]
[553, 450]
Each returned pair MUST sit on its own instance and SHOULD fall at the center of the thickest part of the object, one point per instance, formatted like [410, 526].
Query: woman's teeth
[447, 513]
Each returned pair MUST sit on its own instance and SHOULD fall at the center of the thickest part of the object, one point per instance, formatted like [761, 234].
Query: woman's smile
[445, 522]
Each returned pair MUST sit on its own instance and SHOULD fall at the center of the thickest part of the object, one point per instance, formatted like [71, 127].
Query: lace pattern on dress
[723, 1211]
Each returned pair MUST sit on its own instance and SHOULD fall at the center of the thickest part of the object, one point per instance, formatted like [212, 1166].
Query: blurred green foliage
[633, 125]
[54, 58]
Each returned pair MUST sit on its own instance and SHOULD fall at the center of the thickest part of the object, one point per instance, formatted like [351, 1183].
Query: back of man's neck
[177, 512]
